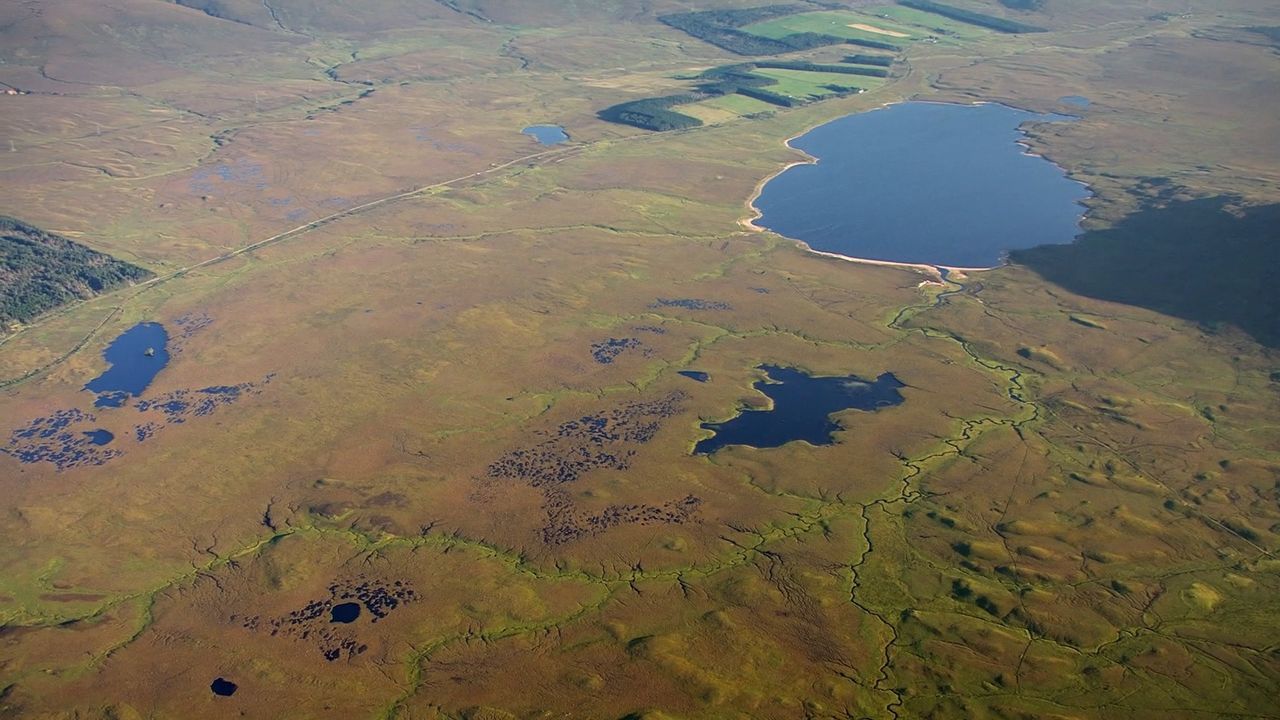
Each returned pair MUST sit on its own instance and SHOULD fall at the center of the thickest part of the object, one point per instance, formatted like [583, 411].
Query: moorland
[420, 364]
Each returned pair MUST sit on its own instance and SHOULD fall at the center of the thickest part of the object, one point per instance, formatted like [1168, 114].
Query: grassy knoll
[467, 414]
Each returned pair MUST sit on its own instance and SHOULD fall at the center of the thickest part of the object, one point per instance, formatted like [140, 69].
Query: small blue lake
[802, 409]
[547, 134]
[923, 182]
[1075, 100]
[135, 358]
[694, 375]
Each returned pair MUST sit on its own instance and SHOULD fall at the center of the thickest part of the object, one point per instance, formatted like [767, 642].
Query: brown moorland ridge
[1073, 513]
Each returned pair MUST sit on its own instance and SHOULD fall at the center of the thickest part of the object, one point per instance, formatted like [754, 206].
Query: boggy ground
[1073, 513]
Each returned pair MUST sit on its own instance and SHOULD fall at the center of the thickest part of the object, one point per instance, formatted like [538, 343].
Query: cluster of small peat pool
[76, 437]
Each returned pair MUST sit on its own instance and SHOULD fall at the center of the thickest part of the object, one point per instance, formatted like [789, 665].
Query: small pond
[546, 134]
[344, 612]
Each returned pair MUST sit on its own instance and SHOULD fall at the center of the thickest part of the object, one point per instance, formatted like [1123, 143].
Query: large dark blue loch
[802, 409]
[136, 357]
[923, 182]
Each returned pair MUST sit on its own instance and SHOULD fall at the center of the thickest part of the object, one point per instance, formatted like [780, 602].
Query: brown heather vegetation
[1084, 529]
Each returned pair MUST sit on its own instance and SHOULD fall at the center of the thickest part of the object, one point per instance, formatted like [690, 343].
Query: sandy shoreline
[932, 270]
[749, 223]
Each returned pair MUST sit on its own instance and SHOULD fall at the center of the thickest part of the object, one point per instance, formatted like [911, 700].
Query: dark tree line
[772, 98]
[971, 17]
[728, 79]
[721, 28]
[878, 60]
[817, 67]
[653, 113]
[1027, 5]
[40, 271]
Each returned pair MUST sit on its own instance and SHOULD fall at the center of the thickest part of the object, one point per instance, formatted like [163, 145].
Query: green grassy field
[925, 22]
[903, 25]
[837, 23]
[740, 104]
[725, 107]
[805, 84]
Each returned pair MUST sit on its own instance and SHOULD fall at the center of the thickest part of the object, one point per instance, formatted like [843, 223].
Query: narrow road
[154, 282]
